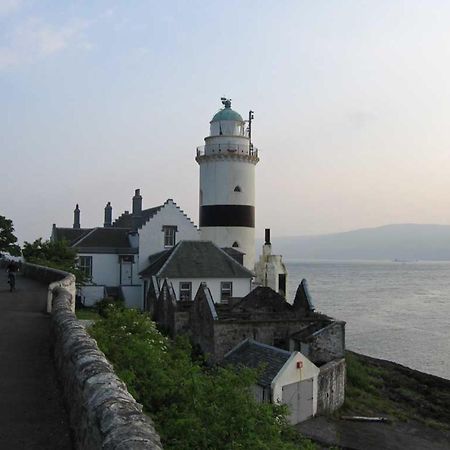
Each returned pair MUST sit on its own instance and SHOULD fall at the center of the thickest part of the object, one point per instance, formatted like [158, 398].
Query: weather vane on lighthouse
[226, 102]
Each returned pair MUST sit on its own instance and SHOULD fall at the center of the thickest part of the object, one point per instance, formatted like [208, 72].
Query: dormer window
[169, 235]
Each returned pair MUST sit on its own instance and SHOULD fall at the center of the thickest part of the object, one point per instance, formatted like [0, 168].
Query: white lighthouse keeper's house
[227, 183]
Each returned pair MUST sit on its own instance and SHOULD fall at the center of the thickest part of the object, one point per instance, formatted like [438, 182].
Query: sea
[394, 310]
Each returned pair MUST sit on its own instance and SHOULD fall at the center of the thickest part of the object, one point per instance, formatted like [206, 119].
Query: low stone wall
[55, 278]
[103, 415]
[331, 389]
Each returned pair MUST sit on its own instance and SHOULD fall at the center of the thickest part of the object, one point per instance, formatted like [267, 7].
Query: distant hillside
[401, 242]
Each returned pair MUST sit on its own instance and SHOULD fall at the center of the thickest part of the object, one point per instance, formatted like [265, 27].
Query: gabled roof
[125, 220]
[69, 234]
[254, 355]
[104, 238]
[195, 259]
[303, 298]
[263, 299]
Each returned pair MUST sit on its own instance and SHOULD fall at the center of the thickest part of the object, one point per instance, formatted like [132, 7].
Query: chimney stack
[76, 217]
[137, 208]
[267, 236]
[108, 215]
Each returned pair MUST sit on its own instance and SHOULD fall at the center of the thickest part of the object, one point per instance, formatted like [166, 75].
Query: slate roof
[236, 254]
[195, 259]
[105, 237]
[69, 234]
[263, 299]
[125, 220]
[254, 355]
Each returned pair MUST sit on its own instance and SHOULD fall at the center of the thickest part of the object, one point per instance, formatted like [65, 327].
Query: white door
[126, 273]
[299, 398]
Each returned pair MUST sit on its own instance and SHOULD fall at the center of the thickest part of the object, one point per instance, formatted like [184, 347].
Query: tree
[56, 254]
[7, 238]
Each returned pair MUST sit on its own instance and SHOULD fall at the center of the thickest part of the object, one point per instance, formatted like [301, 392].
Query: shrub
[193, 408]
[105, 305]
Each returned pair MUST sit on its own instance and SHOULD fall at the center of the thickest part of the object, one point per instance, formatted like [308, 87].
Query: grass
[87, 314]
[388, 390]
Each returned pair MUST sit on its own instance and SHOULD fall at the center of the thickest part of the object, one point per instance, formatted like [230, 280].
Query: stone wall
[327, 343]
[54, 278]
[103, 415]
[331, 390]
[228, 334]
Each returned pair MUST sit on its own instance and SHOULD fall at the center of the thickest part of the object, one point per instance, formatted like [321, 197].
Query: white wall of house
[290, 373]
[151, 235]
[241, 286]
[105, 268]
[107, 271]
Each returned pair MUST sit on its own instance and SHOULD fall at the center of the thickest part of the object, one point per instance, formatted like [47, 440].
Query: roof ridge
[241, 266]
[173, 251]
[83, 237]
[268, 347]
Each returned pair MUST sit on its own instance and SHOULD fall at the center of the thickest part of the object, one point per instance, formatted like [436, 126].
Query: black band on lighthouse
[227, 216]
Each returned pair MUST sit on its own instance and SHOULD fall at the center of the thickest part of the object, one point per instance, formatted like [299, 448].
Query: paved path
[32, 415]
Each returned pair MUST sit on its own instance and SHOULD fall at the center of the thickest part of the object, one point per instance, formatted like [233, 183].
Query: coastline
[415, 404]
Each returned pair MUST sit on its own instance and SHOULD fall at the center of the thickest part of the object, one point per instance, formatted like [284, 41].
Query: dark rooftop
[255, 355]
[125, 220]
[116, 238]
[195, 259]
[69, 234]
[263, 299]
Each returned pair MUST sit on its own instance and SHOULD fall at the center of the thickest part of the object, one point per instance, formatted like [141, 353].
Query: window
[237, 189]
[226, 291]
[236, 244]
[85, 265]
[169, 235]
[185, 291]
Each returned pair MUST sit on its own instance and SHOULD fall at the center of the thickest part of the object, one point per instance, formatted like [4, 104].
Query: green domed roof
[227, 114]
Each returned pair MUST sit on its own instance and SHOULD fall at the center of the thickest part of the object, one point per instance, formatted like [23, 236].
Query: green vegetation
[87, 314]
[380, 388]
[57, 255]
[193, 407]
[7, 238]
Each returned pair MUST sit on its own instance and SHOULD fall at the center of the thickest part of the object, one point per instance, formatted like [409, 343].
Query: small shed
[285, 377]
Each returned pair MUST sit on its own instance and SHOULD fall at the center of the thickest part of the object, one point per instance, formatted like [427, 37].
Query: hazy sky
[351, 101]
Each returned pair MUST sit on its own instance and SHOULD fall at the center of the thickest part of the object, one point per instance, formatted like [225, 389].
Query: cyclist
[12, 269]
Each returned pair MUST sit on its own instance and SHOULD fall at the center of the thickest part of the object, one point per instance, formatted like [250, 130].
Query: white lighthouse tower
[227, 183]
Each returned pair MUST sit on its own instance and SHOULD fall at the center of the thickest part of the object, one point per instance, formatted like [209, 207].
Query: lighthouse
[227, 183]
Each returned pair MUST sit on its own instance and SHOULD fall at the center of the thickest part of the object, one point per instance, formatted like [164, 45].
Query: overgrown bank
[381, 388]
[194, 407]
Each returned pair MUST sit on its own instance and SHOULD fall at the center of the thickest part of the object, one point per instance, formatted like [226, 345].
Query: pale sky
[351, 101]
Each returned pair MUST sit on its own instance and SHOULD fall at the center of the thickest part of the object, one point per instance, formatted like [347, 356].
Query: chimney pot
[267, 236]
[108, 215]
[76, 217]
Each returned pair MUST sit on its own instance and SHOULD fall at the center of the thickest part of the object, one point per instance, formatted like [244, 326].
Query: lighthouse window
[237, 189]
[226, 291]
[169, 235]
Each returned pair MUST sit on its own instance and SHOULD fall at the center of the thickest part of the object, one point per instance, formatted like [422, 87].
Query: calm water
[395, 311]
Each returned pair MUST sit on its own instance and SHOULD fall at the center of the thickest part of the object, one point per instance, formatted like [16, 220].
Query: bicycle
[11, 281]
